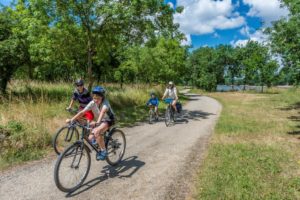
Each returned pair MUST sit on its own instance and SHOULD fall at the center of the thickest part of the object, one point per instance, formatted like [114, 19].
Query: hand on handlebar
[69, 121]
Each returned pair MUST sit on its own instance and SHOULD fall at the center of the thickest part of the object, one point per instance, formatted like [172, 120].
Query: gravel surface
[159, 163]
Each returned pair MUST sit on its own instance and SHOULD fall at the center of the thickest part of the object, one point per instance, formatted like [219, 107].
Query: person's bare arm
[175, 92]
[165, 94]
[77, 116]
[71, 104]
[102, 113]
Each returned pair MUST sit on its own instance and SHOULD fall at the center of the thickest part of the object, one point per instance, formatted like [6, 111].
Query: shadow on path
[126, 169]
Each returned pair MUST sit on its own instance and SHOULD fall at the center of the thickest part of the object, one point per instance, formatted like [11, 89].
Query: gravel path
[158, 164]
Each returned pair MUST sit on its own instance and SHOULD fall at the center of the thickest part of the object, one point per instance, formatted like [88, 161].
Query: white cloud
[257, 36]
[171, 5]
[245, 31]
[216, 35]
[205, 16]
[187, 41]
[267, 10]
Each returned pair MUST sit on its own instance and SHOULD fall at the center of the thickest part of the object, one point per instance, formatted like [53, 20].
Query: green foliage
[160, 63]
[10, 49]
[284, 36]
[64, 40]
[226, 64]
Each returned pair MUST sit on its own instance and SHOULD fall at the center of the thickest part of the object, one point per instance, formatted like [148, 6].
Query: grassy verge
[33, 111]
[254, 152]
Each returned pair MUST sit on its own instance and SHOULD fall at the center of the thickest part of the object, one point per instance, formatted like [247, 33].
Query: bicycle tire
[74, 150]
[57, 138]
[151, 115]
[113, 144]
[168, 116]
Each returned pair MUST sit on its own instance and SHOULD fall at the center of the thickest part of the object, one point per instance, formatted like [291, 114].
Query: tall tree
[284, 36]
[11, 54]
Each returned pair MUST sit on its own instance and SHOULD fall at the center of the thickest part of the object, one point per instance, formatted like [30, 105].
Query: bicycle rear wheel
[168, 116]
[64, 137]
[116, 145]
[72, 167]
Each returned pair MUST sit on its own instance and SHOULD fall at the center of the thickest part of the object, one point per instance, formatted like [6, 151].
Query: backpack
[179, 107]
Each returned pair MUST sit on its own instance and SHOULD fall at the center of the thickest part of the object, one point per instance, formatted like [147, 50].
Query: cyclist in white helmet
[171, 92]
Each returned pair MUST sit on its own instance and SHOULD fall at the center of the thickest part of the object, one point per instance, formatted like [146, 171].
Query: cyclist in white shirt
[171, 92]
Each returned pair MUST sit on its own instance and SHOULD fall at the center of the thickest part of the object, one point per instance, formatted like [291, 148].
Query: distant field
[254, 153]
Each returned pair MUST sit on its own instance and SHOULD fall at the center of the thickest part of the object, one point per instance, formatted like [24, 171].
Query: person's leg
[98, 131]
[174, 105]
[156, 110]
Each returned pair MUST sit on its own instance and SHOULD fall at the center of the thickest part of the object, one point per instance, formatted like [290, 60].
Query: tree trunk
[30, 71]
[90, 65]
[4, 79]
[232, 82]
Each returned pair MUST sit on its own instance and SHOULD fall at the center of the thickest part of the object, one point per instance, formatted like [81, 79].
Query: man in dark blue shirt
[82, 95]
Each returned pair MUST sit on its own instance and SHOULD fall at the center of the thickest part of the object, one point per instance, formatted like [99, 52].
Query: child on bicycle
[153, 101]
[82, 95]
[104, 116]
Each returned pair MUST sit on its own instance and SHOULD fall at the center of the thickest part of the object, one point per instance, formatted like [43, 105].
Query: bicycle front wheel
[151, 116]
[64, 137]
[115, 147]
[72, 167]
[168, 116]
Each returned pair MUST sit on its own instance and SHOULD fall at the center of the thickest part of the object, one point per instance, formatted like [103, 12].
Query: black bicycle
[73, 164]
[170, 112]
[65, 136]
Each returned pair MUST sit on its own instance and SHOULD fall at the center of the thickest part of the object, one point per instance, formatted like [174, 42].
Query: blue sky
[214, 22]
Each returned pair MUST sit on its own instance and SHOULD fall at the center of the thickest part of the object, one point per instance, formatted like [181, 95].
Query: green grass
[254, 151]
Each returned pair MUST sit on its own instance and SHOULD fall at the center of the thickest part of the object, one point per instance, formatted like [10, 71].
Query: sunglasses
[79, 85]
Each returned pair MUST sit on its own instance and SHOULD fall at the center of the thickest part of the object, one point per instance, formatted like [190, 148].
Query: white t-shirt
[171, 93]
[109, 115]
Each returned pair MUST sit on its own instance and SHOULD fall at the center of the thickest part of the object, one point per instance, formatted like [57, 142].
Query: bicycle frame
[83, 138]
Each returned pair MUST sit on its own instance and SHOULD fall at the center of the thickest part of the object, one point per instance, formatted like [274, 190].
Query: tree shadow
[193, 95]
[295, 106]
[185, 116]
[130, 164]
[294, 118]
[196, 115]
[294, 132]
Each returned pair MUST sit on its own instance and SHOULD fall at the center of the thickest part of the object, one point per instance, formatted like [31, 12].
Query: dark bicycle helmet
[79, 82]
[98, 90]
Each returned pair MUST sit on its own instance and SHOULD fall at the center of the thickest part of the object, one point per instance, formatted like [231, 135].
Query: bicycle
[170, 112]
[66, 135]
[152, 114]
[73, 165]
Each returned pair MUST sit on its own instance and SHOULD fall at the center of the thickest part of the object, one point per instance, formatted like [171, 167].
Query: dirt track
[158, 164]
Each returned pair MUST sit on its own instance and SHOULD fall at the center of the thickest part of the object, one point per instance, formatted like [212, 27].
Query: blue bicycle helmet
[98, 90]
